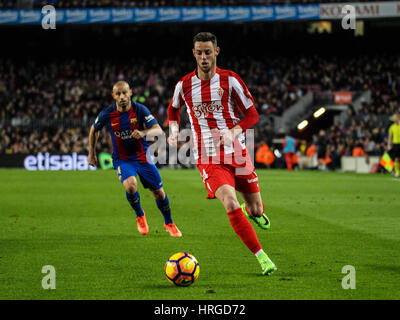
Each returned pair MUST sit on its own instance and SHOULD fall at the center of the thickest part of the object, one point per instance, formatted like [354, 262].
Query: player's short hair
[204, 37]
[121, 83]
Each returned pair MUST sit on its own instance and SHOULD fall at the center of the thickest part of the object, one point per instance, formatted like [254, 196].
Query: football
[182, 269]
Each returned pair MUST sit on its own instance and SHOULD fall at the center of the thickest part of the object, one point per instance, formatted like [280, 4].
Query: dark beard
[125, 107]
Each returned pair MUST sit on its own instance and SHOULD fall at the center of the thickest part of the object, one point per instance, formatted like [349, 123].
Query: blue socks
[134, 201]
[165, 209]
[163, 206]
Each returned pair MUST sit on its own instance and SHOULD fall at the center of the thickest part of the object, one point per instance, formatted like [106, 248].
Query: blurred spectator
[322, 149]
[289, 150]
[24, 4]
[358, 150]
[264, 157]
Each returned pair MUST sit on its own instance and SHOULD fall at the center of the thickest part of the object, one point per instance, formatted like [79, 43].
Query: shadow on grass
[392, 268]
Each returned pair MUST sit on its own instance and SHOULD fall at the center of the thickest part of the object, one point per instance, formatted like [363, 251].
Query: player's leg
[127, 175]
[132, 195]
[163, 205]
[151, 179]
[288, 158]
[227, 196]
[396, 157]
[247, 185]
[162, 202]
[254, 208]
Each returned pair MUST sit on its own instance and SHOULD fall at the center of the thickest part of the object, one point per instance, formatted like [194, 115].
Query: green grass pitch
[81, 223]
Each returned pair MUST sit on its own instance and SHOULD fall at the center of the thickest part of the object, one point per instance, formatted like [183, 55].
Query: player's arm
[249, 120]
[93, 137]
[155, 130]
[245, 102]
[173, 112]
[150, 124]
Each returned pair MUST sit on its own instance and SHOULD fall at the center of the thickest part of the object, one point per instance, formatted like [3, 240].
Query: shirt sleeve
[240, 93]
[101, 120]
[175, 104]
[146, 117]
[177, 101]
[250, 118]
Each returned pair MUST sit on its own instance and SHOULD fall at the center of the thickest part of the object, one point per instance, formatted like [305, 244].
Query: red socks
[288, 158]
[244, 230]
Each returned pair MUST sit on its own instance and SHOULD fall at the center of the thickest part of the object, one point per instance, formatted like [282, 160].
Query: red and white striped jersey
[212, 106]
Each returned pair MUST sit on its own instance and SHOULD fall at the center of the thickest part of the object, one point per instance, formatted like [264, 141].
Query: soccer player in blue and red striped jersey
[129, 123]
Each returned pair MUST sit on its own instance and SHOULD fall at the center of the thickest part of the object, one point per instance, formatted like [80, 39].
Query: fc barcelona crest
[133, 121]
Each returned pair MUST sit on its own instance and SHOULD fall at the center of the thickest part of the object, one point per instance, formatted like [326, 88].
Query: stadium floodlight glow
[302, 125]
[319, 112]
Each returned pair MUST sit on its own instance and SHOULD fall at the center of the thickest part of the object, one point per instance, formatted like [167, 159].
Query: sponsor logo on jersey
[206, 108]
[126, 134]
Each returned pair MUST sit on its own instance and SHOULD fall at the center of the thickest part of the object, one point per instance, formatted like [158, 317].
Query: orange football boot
[142, 225]
[173, 230]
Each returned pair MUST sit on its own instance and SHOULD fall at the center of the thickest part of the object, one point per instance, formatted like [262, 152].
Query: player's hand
[92, 159]
[137, 134]
[229, 136]
[173, 139]
[226, 138]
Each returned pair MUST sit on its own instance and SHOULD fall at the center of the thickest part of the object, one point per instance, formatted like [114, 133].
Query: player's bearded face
[122, 96]
[206, 55]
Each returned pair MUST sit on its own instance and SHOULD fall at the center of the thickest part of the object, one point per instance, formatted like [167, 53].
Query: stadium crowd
[49, 107]
[67, 4]
[365, 132]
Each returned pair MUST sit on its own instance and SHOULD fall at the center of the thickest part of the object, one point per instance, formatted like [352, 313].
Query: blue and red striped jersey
[121, 125]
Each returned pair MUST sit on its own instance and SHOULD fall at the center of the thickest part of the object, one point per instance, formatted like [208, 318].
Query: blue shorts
[148, 173]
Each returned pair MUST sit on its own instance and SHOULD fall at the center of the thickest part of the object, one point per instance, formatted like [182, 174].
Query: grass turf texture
[81, 223]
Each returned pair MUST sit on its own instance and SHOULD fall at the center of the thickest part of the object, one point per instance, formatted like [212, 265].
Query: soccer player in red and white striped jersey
[213, 98]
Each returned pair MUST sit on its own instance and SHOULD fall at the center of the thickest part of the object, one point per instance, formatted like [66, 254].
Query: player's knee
[231, 203]
[159, 194]
[130, 186]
